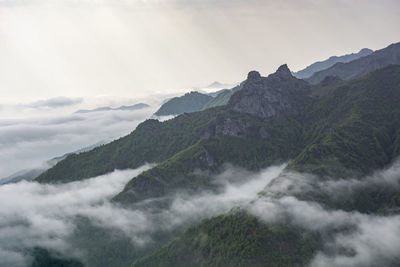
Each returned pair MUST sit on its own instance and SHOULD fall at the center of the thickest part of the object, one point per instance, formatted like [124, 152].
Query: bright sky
[136, 48]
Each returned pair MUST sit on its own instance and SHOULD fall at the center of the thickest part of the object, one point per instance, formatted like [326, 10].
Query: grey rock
[271, 96]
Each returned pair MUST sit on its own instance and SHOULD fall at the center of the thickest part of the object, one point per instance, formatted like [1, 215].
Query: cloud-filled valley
[29, 143]
[351, 238]
[34, 215]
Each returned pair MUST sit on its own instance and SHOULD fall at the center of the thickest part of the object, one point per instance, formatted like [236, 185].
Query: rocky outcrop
[271, 96]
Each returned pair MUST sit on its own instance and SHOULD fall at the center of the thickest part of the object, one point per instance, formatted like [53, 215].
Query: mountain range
[328, 133]
[132, 107]
[336, 67]
[322, 65]
[359, 67]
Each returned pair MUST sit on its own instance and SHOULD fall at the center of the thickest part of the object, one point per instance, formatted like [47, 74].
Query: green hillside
[190, 102]
[236, 239]
[222, 99]
[350, 132]
[336, 129]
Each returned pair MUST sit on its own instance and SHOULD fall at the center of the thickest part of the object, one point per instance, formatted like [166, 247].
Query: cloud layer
[351, 238]
[55, 102]
[27, 143]
[33, 215]
[45, 215]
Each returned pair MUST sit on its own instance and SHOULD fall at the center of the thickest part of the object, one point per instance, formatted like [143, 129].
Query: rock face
[267, 97]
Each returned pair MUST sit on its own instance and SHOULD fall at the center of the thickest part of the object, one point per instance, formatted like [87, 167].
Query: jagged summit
[283, 72]
[253, 75]
[271, 96]
[284, 69]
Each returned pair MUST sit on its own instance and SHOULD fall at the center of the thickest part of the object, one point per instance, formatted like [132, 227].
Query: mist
[29, 143]
[37, 215]
[350, 238]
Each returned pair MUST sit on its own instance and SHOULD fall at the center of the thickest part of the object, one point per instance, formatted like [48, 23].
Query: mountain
[277, 112]
[322, 65]
[333, 133]
[215, 94]
[355, 127]
[190, 102]
[30, 174]
[359, 67]
[132, 107]
[216, 85]
[220, 242]
[222, 98]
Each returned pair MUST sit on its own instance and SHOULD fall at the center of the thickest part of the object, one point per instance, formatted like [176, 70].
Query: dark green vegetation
[357, 68]
[43, 258]
[335, 129]
[223, 98]
[190, 102]
[235, 239]
[322, 65]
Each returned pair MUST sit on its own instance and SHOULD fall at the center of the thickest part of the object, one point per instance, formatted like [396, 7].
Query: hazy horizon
[103, 49]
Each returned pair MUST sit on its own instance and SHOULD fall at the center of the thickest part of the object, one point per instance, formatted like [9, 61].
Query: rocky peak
[283, 72]
[271, 96]
[253, 76]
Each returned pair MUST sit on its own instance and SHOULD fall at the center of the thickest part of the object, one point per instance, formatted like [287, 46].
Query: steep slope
[278, 94]
[190, 102]
[223, 98]
[236, 239]
[350, 131]
[322, 65]
[234, 137]
[354, 127]
[359, 67]
[152, 141]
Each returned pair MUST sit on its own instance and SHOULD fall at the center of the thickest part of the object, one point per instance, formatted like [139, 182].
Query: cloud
[55, 102]
[27, 143]
[351, 238]
[33, 214]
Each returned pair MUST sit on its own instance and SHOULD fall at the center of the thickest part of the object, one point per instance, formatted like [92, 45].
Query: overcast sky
[135, 48]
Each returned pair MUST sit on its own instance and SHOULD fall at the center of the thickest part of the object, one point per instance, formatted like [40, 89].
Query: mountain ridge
[321, 65]
[359, 67]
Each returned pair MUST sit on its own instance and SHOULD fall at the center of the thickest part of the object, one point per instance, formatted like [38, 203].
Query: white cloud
[55, 102]
[27, 143]
[33, 214]
[368, 239]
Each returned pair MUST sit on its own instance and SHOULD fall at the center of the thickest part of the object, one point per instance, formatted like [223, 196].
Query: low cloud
[34, 215]
[27, 143]
[55, 102]
[37, 215]
[351, 238]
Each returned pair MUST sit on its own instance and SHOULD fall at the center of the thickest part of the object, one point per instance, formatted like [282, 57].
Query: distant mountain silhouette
[190, 102]
[132, 107]
[321, 65]
[359, 67]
